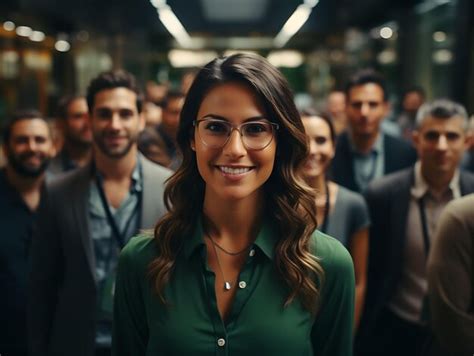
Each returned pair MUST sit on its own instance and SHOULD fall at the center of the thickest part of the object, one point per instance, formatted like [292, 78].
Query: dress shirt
[368, 166]
[258, 323]
[16, 223]
[106, 248]
[408, 301]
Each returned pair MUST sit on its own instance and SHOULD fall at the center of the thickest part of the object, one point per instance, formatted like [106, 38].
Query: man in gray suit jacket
[89, 215]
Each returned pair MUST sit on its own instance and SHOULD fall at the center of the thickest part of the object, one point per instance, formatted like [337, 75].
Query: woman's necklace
[227, 284]
[227, 251]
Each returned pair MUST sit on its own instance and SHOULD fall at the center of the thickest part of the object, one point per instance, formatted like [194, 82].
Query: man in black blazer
[89, 215]
[363, 151]
[404, 209]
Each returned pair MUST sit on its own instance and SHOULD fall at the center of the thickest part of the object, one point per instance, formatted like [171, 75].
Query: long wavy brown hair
[289, 202]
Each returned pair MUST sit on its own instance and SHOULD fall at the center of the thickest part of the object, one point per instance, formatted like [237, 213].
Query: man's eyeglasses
[255, 135]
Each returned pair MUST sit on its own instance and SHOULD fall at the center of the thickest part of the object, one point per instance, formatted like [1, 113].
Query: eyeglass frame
[275, 127]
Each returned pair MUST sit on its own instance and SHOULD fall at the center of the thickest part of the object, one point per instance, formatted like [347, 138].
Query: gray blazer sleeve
[154, 180]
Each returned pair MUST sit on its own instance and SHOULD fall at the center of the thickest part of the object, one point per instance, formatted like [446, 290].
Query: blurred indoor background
[52, 47]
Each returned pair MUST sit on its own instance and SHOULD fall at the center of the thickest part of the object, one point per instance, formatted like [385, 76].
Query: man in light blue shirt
[89, 215]
[363, 151]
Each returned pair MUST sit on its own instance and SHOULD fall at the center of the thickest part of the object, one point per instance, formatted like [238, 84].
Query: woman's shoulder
[350, 198]
[330, 252]
[139, 251]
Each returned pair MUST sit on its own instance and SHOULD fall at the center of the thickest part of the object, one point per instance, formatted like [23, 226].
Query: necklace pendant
[227, 286]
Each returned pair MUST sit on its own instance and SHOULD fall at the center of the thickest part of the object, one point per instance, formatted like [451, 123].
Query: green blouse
[258, 323]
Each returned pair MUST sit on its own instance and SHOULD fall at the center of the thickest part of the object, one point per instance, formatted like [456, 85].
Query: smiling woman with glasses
[236, 267]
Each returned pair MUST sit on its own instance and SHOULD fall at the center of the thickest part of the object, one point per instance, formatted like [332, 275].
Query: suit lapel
[80, 195]
[147, 208]
[400, 207]
[388, 156]
[466, 183]
[152, 195]
[345, 168]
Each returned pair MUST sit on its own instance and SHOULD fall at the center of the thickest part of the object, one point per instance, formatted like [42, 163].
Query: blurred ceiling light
[174, 26]
[442, 56]
[37, 36]
[231, 52]
[387, 56]
[158, 3]
[429, 5]
[289, 59]
[62, 46]
[386, 32]
[172, 23]
[439, 36]
[295, 22]
[240, 43]
[180, 58]
[311, 3]
[8, 26]
[10, 56]
[24, 31]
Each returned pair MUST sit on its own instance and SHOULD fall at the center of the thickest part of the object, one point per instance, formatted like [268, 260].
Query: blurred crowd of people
[395, 187]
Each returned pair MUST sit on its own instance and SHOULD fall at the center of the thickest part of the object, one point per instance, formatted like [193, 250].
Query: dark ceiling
[205, 18]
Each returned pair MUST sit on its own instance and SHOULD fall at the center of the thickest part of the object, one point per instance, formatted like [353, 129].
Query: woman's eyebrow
[219, 117]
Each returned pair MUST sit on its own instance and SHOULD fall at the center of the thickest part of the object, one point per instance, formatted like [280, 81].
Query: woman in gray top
[340, 212]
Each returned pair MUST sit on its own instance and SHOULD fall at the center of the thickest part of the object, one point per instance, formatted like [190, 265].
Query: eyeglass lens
[255, 134]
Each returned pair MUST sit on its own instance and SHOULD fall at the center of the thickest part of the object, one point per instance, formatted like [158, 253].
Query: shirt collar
[136, 184]
[195, 241]
[420, 187]
[376, 148]
[265, 241]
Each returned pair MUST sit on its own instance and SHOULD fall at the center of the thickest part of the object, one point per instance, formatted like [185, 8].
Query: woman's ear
[192, 144]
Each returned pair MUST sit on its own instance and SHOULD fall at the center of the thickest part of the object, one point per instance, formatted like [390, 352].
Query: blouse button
[221, 342]
[242, 284]
[252, 253]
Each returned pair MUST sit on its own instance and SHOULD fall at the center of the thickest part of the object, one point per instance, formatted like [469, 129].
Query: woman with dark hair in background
[236, 267]
[340, 212]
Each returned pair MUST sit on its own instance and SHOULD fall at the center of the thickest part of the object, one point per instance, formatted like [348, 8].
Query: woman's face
[232, 172]
[321, 146]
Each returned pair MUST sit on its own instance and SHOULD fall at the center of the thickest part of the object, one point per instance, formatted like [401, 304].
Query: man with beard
[28, 147]
[364, 152]
[89, 215]
[73, 123]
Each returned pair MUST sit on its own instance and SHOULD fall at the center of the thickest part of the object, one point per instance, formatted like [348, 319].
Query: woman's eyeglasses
[255, 135]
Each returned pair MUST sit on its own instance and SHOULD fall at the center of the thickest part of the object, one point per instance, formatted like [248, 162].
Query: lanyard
[424, 225]
[120, 236]
[326, 209]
